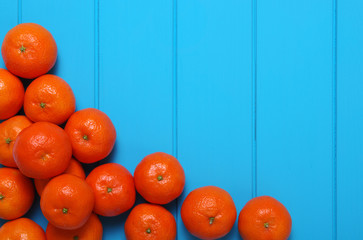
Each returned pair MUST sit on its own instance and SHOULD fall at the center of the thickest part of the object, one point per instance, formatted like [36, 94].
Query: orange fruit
[113, 188]
[74, 168]
[91, 230]
[9, 131]
[29, 50]
[208, 212]
[22, 229]
[67, 202]
[11, 94]
[150, 222]
[50, 99]
[16, 193]
[264, 218]
[159, 178]
[92, 135]
[42, 150]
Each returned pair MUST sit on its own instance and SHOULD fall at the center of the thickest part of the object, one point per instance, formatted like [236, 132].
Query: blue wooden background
[258, 97]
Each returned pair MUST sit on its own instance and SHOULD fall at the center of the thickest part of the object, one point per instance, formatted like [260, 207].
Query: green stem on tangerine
[2, 197]
[211, 220]
[42, 105]
[85, 137]
[148, 230]
[266, 225]
[75, 238]
[8, 141]
[160, 178]
[22, 49]
[109, 189]
[65, 210]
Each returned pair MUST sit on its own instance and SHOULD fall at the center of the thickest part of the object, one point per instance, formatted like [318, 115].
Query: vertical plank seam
[20, 11]
[175, 95]
[96, 55]
[175, 92]
[334, 130]
[254, 98]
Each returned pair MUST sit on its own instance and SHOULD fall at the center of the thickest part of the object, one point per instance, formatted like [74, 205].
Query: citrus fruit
[264, 218]
[114, 189]
[29, 50]
[16, 193]
[50, 99]
[67, 202]
[42, 150]
[159, 178]
[22, 229]
[150, 222]
[91, 230]
[11, 94]
[208, 212]
[74, 168]
[9, 131]
[92, 135]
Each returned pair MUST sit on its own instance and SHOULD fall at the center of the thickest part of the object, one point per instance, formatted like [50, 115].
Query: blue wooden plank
[214, 87]
[350, 115]
[71, 24]
[294, 111]
[136, 82]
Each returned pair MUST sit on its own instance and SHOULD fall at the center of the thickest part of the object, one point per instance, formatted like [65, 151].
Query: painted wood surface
[257, 97]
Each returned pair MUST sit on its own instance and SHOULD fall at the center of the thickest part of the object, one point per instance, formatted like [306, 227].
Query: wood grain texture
[136, 83]
[294, 111]
[215, 98]
[72, 26]
[350, 115]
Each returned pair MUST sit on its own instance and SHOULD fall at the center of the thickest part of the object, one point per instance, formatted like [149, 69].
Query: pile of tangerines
[37, 151]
